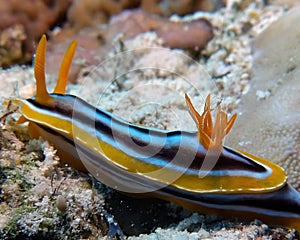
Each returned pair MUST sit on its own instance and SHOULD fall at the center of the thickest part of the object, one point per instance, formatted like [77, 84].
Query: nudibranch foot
[279, 208]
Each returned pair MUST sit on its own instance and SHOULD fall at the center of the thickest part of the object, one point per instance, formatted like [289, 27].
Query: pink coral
[34, 16]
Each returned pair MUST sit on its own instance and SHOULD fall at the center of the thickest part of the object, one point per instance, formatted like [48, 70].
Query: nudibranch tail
[210, 136]
[62, 81]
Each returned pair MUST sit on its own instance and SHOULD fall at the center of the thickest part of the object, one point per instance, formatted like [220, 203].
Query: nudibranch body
[193, 169]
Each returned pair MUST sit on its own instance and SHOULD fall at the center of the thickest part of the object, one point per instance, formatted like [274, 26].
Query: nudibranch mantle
[173, 165]
[171, 158]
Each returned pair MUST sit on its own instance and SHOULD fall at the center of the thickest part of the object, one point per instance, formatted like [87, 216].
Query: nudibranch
[193, 169]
